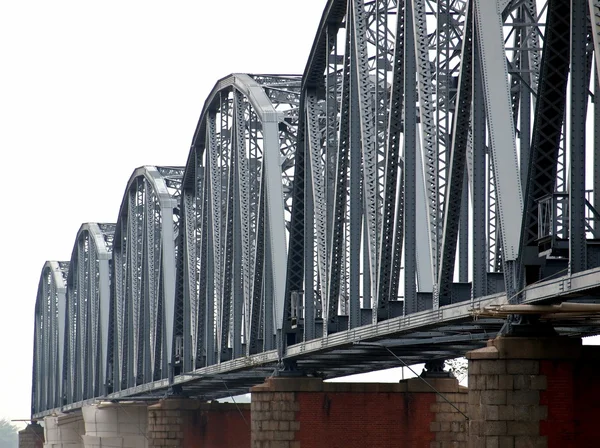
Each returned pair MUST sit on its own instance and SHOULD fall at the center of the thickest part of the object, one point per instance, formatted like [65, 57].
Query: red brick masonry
[187, 423]
[32, 436]
[534, 392]
[307, 413]
[572, 397]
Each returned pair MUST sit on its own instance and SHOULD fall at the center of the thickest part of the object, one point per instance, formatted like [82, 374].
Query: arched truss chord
[88, 303]
[143, 278]
[236, 211]
[49, 341]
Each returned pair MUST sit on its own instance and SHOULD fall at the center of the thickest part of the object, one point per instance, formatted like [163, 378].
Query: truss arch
[143, 277]
[88, 301]
[49, 330]
[235, 212]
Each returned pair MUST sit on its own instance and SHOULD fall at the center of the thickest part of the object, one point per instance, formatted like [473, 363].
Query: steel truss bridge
[435, 158]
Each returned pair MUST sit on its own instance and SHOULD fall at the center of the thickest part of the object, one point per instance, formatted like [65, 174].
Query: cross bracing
[434, 158]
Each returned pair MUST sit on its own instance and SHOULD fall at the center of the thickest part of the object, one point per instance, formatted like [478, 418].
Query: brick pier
[534, 392]
[308, 413]
[32, 436]
[188, 423]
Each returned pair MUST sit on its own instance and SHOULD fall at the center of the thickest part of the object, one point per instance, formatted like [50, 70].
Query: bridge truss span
[88, 305]
[143, 278]
[49, 336]
[236, 211]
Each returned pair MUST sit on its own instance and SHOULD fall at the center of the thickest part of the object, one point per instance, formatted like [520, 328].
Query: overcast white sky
[88, 92]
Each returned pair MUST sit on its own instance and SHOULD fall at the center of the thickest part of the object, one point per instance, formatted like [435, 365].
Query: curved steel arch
[235, 212]
[331, 20]
[49, 343]
[143, 278]
[88, 303]
[250, 88]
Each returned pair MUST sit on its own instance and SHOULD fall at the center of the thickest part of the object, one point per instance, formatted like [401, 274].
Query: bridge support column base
[32, 436]
[64, 431]
[186, 422]
[115, 425]
[533, 391]
[309, 413]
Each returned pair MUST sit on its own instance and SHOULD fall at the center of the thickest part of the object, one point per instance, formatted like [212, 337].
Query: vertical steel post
[578, 88]
[410, 155]
[479, 190]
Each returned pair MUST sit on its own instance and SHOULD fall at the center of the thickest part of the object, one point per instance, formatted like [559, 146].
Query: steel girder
[439, 54]
[522, 32]
[549, 117]
[49, 343]
[456, 161]
[143, 277]
[236, 218]
[503, 152]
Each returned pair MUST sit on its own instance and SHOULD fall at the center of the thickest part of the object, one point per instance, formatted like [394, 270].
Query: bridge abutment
[190, 423]
[307, 412]
[533, 392]
[64, 431]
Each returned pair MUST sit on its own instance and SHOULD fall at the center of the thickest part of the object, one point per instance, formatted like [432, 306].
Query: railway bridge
[430, 180]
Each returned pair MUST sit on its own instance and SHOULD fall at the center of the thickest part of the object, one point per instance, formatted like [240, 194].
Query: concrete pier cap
[508, 347]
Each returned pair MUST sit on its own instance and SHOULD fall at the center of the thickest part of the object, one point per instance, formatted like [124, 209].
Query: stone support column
[64, 431]
[115, 425]
[533, 392]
